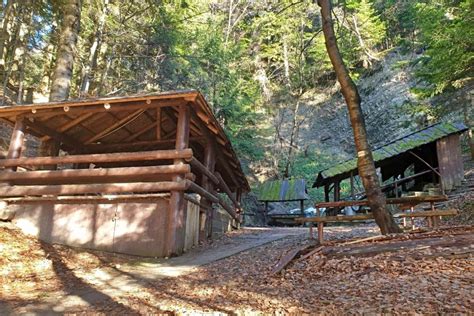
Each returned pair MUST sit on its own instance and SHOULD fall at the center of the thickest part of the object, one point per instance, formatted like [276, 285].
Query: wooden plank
[92, 175]
[115, 126]
[100, 158]
[228, 208]
[94, 199]
[199, 190]
[342, 218]
[70, 124]
[226, 189]
[202, 169]
[400, 200]
[92, 188]
[90, 106]
[287, 258]
[450, 212]
[124, 146]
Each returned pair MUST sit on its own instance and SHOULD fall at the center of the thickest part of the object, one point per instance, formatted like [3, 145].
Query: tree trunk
[8, 15]
[66, 50]
[94, 51]
[365, 162]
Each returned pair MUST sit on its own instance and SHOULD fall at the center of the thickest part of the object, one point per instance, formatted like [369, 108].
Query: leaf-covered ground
[434, 273]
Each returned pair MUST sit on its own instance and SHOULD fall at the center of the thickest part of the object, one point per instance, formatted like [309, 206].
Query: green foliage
[448, 34]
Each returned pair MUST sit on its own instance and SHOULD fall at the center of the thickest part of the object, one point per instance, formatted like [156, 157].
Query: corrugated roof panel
[396, 147]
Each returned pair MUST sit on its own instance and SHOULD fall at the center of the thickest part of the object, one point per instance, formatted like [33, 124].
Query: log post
[17, 140]
[326, 192]
[49, 148]
[158, 123]
[207, 212]
[176, 213]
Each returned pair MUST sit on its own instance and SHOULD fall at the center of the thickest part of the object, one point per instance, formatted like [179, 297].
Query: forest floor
[420, 272]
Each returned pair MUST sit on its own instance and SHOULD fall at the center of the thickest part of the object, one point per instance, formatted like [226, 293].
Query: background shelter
[137, 174]
[283, 191]
[433, 153]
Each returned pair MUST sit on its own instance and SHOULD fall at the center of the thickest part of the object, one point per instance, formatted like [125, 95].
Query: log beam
[100, 158]
[93, 175]
[61, 138]
[115, 126]
[10, 191]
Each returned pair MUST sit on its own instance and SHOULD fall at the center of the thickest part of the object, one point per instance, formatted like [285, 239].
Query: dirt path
[118, 279]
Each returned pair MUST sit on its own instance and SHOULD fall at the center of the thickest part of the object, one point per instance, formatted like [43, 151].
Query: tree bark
[94, 51]
[66, 50]
[365, 162]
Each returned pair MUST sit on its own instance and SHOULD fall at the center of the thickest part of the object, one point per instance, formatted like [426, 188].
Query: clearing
[424, 271]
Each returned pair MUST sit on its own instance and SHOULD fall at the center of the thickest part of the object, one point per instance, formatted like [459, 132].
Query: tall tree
[71, 17]
[365, 161]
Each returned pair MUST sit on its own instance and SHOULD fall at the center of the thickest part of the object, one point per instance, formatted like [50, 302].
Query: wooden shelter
[122, 173]
[283, 191]
[433, 154]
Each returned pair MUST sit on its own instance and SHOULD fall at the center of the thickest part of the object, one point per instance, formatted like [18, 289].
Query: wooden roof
[120, 124]
[283, 190]
[392, 149]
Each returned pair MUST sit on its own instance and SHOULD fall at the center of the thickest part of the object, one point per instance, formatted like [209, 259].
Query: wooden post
[205, 230]
[352, 186]
[17, 140]
[158, 123]
[337, 195]
[265, 213]
[50, 148]
[326, 192]
[337, 190]
[238, 197]
[176, 213]
[396, 187]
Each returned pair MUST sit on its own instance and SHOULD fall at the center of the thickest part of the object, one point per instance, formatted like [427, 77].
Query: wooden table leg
[412, 219]
[320, 232]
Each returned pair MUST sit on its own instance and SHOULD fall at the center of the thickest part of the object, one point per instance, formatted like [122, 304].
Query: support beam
[61, 138]
[10, 191]
[203, 170]
[95, 148]
[208, 181]
[158, 123]
[105, 175]
[201, 191]
[17, 140]
[120, 123]
[176, 218]
[100, 158]
[70, 124]
[223, 186]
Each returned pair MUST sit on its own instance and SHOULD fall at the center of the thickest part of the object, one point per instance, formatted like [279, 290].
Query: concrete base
[129, 228]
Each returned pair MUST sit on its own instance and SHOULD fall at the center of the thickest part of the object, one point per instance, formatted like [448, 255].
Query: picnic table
[407, 203]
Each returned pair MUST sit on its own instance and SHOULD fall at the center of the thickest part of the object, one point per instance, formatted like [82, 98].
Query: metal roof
[394, 148]
[283, 190]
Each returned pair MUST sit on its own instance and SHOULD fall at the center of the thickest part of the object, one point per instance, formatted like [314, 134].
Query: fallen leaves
[415, 279]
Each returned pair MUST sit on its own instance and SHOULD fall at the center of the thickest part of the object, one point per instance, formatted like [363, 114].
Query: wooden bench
[405, 202]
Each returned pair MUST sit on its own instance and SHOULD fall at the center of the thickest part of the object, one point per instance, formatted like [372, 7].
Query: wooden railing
[143, 179]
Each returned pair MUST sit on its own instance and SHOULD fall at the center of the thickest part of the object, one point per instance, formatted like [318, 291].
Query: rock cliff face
[390, 107]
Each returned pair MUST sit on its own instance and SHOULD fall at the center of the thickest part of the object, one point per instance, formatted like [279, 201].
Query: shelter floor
[419, 272]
